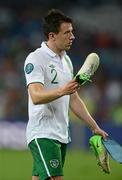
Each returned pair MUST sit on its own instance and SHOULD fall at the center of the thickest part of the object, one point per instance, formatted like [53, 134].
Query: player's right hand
[69, 88]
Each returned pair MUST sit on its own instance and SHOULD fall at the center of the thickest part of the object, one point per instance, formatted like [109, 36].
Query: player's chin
[68, 47]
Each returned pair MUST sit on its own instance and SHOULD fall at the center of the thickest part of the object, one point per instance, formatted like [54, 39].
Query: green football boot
[100, 152]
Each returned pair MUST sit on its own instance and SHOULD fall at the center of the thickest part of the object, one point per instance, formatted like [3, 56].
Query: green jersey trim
[67, 59]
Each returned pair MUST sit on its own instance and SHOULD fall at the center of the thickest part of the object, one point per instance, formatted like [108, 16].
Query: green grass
[16, 165]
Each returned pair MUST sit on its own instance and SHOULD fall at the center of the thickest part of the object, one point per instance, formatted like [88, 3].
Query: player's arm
[80, 110]
[40, 95]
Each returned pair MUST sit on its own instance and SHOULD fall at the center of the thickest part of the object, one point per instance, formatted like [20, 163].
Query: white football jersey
[48, 120]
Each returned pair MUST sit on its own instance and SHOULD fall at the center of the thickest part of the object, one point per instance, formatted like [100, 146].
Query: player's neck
[54, 48]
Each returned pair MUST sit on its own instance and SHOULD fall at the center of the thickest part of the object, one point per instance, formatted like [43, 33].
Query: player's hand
[101, 132]
[69, 88]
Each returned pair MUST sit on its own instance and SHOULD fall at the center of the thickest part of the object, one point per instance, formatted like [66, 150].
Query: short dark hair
[53, 20]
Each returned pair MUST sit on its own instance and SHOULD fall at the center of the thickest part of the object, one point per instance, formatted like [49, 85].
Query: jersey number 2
[54, 74]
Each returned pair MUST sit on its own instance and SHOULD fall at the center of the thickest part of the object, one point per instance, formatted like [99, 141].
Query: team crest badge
[54, 163]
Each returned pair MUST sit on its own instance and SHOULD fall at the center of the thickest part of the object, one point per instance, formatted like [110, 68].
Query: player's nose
[72, 37]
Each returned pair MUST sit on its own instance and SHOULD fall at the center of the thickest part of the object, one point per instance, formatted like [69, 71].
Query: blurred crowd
[21, 33]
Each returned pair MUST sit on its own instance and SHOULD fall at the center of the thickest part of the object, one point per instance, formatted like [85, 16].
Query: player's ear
[52, 35]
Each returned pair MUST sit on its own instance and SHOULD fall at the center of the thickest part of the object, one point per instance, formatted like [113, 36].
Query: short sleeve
[33, 70]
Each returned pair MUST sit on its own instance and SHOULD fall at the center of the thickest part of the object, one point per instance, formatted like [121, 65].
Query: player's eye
[69, 32]
[66, 32]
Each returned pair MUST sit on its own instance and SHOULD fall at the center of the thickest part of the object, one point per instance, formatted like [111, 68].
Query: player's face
[65, 37]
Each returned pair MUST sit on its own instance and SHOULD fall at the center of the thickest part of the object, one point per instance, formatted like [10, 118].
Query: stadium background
[98, 28]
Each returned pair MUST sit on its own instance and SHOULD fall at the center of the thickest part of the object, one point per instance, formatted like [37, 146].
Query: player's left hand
[101, 132]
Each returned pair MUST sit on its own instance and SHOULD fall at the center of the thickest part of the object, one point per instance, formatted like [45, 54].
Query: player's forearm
[46, 96]
[80, 110]
[40, 95]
